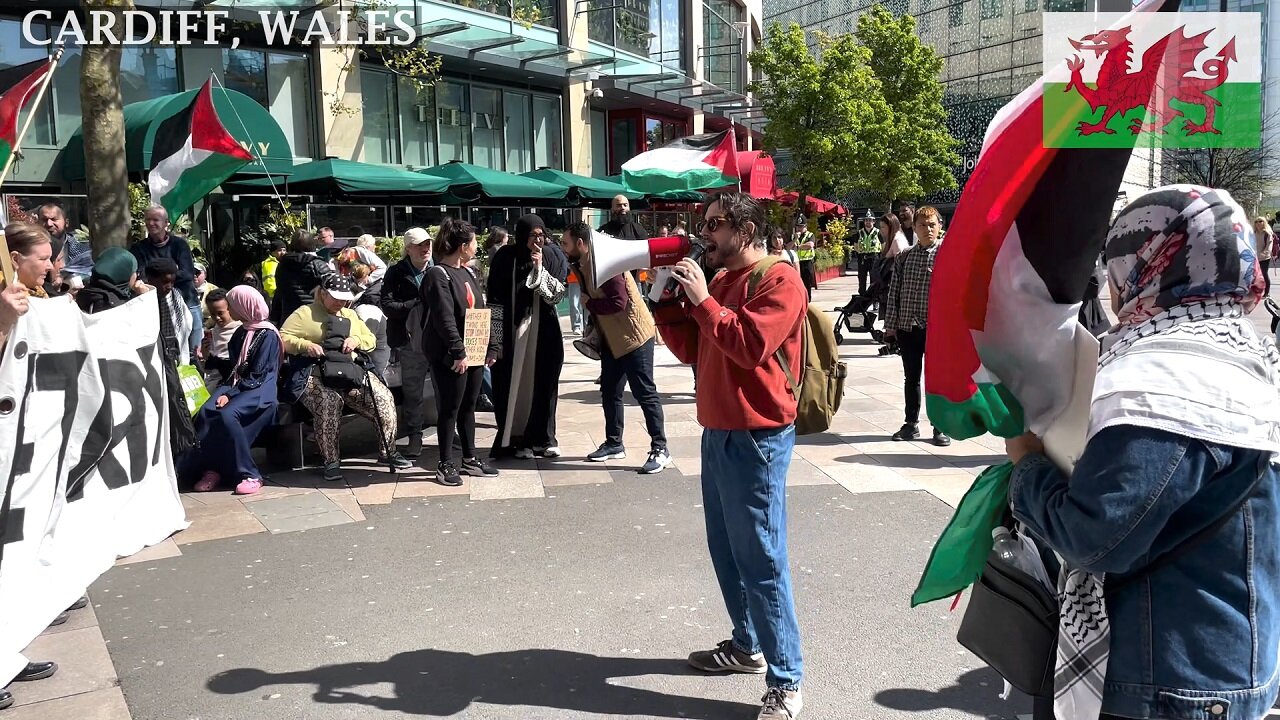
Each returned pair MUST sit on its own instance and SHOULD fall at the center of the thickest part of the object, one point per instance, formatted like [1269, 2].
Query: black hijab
[553, 258]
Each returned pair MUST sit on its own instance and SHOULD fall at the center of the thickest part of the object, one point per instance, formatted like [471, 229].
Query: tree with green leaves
[827, 108]
[922, 153]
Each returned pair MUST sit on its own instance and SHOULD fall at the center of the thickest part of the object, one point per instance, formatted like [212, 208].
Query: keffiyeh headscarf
[1182, 358]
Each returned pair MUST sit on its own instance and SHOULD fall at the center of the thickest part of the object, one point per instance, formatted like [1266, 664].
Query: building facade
[576, 85]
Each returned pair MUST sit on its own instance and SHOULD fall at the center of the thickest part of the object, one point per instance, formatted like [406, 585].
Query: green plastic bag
[193, 387]
[961, 551]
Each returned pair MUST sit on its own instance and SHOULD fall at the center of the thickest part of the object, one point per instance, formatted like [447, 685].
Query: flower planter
[829, 273]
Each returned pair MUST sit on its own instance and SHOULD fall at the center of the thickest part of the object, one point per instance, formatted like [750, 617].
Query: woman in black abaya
[526, 282]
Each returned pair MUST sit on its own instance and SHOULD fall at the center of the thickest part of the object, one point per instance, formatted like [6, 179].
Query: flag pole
[6, 263]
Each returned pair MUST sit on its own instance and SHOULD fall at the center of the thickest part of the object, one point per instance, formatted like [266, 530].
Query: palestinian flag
[694, 162]
[17, 87]
[1001, 350]
[193, 154]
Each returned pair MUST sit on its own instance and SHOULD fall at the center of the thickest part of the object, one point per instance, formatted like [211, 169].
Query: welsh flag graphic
[17, 88]
[193, 154]
[1206, 69]
[694, 162]
[1004, 351]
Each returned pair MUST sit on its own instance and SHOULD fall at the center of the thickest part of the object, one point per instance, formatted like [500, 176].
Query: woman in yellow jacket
[328, 331]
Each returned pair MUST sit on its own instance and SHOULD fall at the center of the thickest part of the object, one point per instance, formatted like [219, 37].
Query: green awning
[337, 177]
[693, 196]
[497, 187]
[591, 191]
[244, 118]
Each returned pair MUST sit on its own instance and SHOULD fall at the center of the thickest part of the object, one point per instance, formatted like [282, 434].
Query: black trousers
[456, 395]
[634, 369]
[809, 275]
[866, 262]
[1266, 274]
[911, 347]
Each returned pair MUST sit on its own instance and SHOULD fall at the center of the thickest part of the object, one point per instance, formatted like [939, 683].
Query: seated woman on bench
[329, 368]
[245, 402]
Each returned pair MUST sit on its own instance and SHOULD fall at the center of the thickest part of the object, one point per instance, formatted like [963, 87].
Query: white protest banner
[86, 474]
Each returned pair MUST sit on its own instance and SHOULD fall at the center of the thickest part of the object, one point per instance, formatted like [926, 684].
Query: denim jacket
[1197, 639]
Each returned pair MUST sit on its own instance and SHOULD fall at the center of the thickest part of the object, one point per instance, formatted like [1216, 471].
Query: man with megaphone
[625, 331]
[733, 328]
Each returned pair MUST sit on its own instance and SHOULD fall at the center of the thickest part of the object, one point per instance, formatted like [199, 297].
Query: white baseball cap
[416, 236]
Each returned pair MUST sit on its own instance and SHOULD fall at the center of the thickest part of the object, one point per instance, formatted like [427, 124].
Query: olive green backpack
[821, 387]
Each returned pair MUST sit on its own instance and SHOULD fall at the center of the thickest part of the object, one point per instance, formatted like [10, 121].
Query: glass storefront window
[349, 222]
[722, 45]
[538, 12]
[246, 72]
[278, 81]
[648, 28]
[652, 134]
[453, 115]
[547, 151]
[417, 124]
[623, 142]
[486, 116]
[517, 114]
[290, 98]
[377, 90]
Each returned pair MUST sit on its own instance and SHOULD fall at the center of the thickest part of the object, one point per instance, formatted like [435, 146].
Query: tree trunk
[106, 174]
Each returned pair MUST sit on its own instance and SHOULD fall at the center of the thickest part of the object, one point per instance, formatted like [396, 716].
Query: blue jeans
[486, 385]
[197, 328]
[744, 482]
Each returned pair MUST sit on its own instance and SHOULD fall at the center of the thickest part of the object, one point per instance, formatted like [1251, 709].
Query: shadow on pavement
[976, 692]
[440, 683]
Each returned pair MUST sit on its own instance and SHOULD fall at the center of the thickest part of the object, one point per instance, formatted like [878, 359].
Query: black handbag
[1011, 623]
[338, 370]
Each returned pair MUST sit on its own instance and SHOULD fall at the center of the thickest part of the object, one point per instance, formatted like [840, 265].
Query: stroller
[1268, 303]
[858, 316]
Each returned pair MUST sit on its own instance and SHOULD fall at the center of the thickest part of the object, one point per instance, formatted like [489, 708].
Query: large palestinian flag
[17, 87]
[1008, 281]
[193, 153]
[694, 162]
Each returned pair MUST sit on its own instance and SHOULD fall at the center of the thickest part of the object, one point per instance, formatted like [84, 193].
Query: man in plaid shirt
[907, 312]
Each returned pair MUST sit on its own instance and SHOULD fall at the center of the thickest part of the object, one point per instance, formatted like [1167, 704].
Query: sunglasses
[712, 224]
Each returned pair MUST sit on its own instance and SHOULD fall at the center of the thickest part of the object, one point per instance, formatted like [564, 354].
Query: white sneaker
[551, 451]
[524, 454]
[779, 704]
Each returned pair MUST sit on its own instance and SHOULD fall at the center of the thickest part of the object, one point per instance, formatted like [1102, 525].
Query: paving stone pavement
[856, 453]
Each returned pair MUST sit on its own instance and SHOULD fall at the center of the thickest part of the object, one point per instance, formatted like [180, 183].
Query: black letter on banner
[102, 439]
[154, 386]
[60, 372]
[13, 519]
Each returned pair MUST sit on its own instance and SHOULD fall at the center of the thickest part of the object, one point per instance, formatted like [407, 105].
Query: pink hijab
[249, 305]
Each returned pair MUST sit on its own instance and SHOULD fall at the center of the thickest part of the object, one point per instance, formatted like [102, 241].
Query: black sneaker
[414, 448]
[727, 658]
[475, 467]
[396, 461]
[80, 604]
[608, 452]
[484, 404]
[37, 671]
[908, 431]
[657, 461]
[62, 618]
[333, 471]
[447, 474]
[941, 439]
[6, 699]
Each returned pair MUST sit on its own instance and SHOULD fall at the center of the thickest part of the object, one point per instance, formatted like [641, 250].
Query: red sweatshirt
[740, 384]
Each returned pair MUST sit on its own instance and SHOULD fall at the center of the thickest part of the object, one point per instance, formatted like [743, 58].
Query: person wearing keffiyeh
[1184, 425]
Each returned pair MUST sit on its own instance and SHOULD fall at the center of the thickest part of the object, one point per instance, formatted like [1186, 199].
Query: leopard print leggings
[326, 404]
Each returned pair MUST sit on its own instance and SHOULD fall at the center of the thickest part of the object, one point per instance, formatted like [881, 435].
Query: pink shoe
[208, 482]
[248, 486]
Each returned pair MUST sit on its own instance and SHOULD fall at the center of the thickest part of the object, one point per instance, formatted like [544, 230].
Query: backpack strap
[753, 282]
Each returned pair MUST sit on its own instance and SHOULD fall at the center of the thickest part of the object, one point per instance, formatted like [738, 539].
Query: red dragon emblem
[1165, 75]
